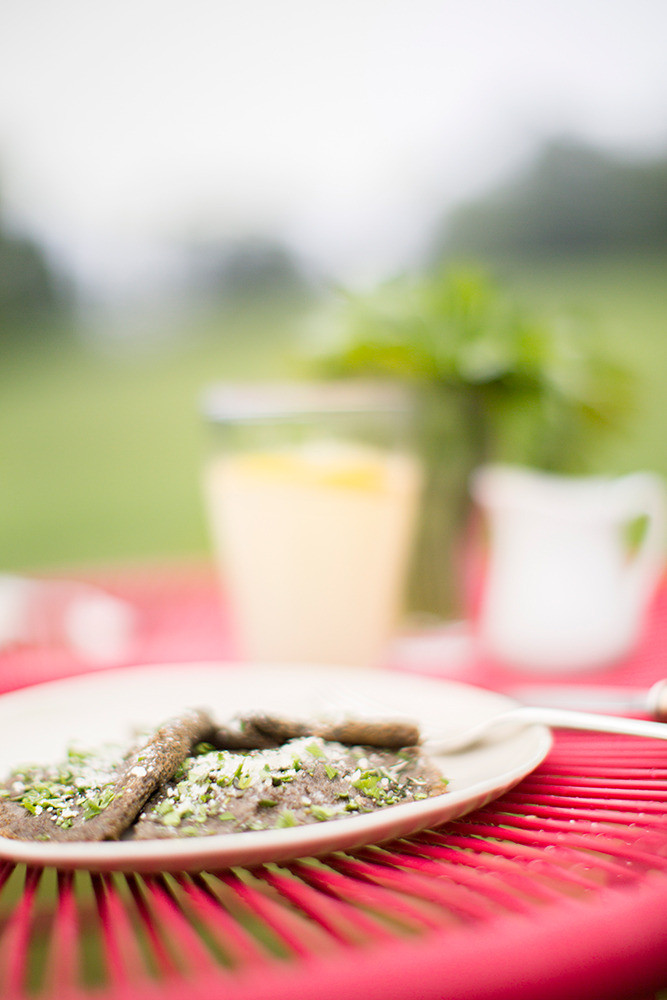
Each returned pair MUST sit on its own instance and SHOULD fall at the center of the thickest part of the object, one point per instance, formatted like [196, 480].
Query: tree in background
[32, 294]
[244, 272]
[574, 199]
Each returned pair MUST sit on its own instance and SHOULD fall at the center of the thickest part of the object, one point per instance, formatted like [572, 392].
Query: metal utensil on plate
[653, 702]
[596, 698]
[556, 718]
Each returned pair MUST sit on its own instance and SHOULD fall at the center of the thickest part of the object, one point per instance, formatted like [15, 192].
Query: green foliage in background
[495, 380]
[518, 384]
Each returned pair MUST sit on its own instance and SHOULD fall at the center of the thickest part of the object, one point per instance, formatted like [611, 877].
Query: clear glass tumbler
[312, 493]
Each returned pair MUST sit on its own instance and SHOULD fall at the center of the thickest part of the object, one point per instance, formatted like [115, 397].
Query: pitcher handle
[642, 494]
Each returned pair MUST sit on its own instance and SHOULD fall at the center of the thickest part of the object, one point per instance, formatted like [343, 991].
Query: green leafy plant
[493, 382]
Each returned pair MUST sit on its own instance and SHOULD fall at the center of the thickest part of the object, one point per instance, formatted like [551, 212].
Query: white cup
[564, 588]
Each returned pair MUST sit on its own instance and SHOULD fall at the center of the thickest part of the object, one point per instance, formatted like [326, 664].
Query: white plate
[39, 723]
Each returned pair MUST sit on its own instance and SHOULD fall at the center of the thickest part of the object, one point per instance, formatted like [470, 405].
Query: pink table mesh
[556, 890]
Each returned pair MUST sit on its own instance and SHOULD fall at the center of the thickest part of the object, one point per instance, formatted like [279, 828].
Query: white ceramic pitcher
[564, 589]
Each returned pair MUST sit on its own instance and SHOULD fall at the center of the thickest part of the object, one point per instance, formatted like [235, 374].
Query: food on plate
[304, 780]
[185, 780]
[96, 795]
[252, 732]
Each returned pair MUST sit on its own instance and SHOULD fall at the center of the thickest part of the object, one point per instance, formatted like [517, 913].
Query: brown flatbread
[257, 731]
[97, 798]
[305, 780]
[177, 783]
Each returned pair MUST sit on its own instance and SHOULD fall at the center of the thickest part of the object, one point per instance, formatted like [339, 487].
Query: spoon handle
[596, 698]
[556, 718]
[562, 718]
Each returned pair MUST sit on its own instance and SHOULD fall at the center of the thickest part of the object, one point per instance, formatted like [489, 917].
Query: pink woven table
[556, 890]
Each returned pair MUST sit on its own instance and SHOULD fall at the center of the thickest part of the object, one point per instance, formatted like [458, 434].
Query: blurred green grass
[100, 453]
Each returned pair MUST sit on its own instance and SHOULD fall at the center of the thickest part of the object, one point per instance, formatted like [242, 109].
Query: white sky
[346, 125]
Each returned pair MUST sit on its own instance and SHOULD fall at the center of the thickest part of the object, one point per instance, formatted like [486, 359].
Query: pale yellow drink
[314, 544]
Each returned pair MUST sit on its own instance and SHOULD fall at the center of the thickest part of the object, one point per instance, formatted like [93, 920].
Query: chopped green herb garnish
[171, 818]
[281, 779]
[286, 818]
[94, 804]
[321, 812]
[368, 784]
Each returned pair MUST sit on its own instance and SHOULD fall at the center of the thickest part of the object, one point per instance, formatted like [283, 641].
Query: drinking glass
[312, 493]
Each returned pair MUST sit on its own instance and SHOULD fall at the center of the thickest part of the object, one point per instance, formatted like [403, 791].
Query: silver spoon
[556, 718]
[596, 698]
